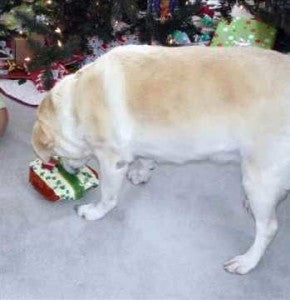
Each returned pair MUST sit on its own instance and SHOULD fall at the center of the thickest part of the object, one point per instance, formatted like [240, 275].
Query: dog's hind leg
[112, 172]
[263, 186]
[140, 170]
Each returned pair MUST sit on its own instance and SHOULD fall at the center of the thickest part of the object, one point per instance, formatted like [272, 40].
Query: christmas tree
[66, 26]
[56, 30]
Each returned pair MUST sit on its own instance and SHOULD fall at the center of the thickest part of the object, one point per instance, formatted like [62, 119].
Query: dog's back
[182, 83]
[220, 96]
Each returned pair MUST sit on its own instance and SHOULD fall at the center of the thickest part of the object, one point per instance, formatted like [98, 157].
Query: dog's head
[52, 136]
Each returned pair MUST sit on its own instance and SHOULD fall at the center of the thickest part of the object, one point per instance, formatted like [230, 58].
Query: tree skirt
[25, 93]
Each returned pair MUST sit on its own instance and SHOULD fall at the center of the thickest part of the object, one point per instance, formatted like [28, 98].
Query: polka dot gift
[244, 32]
[54, 183]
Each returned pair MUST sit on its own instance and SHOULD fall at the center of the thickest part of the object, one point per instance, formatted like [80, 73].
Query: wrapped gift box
[244, 32]
[22, 49]
[55, 183]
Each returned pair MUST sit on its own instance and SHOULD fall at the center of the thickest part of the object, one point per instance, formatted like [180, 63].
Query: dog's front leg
[112, 172]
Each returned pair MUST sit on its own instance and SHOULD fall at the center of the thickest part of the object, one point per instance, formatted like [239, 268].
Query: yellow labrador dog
[150, 103]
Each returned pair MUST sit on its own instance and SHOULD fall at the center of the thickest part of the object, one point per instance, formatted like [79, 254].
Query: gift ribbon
[73, 181]
[12, 66]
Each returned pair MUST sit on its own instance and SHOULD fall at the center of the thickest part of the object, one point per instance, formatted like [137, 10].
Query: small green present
[244, 32]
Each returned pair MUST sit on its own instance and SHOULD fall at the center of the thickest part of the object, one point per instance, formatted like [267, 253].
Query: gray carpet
[166, 240]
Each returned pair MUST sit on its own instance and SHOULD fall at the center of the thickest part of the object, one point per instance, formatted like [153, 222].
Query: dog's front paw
[137, 176]
[241, 264]
[93, 211]
[140, 171]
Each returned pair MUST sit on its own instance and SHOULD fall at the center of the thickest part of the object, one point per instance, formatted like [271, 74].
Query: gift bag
[244, 32]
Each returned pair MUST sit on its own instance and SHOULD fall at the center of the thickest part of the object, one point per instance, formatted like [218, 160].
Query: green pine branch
[32, 24]
[46, 56]
[7, 5]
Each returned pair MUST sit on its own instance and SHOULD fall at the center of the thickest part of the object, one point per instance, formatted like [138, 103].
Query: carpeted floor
[166, 240]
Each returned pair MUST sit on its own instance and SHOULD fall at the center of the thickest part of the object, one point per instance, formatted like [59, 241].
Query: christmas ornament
[54, 183]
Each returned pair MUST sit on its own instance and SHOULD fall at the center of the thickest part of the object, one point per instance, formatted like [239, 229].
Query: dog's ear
[45, 136]
[42, 132]
[43, 141]
[42, 137]
[47, 108]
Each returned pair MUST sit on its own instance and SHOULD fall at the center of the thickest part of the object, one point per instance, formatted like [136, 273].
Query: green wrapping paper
[244, 32]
